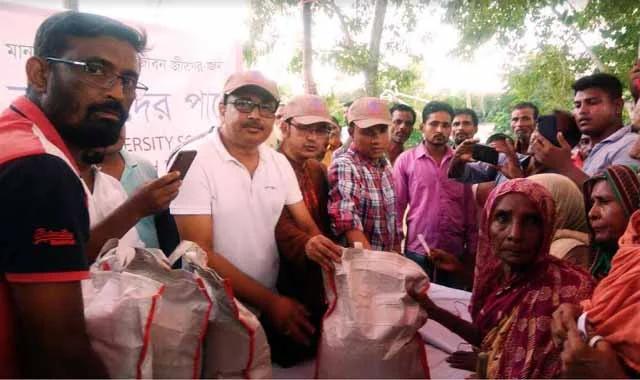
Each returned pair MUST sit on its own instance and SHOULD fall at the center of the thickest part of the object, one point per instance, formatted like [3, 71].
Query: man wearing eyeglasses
[403, 117]
[232, 198]
[305, 125]
[82, 80]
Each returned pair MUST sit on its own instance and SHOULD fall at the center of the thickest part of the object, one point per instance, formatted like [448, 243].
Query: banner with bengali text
[184, 72]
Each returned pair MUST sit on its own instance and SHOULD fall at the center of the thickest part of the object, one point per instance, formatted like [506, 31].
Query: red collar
[32, 112]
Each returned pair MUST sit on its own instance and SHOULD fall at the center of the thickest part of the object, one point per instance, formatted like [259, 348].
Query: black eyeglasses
[99, 75]
[307, 130]
[247, 106]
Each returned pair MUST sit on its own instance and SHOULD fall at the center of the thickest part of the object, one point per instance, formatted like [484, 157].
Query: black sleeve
[45, 221]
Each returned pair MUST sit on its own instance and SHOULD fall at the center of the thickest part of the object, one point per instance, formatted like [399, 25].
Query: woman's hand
[425, 302]
[466, 360]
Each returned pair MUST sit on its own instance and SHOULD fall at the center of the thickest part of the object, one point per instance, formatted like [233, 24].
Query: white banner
[184, 72]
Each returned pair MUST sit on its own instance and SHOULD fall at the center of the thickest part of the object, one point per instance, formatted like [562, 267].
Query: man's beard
[459, 139]
[523, 136]
[93, 132]
[90, 132]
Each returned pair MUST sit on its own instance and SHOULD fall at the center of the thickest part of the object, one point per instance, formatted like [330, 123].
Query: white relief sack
[179, 325]
[371, 327]
[235, 345]
[119, 309]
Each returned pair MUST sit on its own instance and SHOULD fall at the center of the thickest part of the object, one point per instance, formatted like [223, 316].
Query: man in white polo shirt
[232, 198]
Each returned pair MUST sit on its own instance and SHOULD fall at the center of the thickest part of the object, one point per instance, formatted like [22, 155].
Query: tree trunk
[307, 50]
[371, 71]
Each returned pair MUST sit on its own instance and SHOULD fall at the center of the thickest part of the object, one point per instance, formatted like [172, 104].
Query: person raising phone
[598, 107]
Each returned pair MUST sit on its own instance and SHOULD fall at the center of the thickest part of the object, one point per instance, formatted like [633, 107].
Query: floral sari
[514, 315]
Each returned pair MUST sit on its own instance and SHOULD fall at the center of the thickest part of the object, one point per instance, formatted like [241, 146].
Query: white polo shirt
[244, 210]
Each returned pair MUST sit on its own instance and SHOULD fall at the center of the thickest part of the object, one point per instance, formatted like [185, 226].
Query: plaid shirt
[362, 197]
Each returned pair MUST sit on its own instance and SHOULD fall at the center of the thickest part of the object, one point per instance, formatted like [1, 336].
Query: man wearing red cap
[233, 195]
[305, 125]
[361, 196]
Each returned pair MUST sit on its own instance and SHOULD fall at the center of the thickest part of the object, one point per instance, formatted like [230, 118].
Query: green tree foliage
[545, 80]
[352, 53]
[617, 22]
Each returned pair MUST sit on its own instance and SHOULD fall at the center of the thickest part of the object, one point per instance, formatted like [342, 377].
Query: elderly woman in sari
[600, 336]
[611, 197]
[517, 287]
[604, 342]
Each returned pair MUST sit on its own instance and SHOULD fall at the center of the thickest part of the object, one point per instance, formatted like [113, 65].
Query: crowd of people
[547, 239]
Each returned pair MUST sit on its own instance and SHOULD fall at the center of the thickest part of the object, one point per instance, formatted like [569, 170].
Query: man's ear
[222, 109]
[350, 130]
[284, 127]
[37, 74]
[619, 104]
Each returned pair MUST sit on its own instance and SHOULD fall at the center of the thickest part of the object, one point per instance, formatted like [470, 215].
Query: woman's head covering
[624, 183]
[570, 213]
[625, 186]
[488, 272]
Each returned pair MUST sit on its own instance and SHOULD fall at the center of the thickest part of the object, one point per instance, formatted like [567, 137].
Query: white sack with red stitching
[179, 326]
[371, 327]
[235, 345]
[119, 309]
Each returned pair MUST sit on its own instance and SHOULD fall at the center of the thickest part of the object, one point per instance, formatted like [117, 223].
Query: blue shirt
[137, 172]
[614, 150]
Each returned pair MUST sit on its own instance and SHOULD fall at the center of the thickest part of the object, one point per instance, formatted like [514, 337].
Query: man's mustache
[110, 107]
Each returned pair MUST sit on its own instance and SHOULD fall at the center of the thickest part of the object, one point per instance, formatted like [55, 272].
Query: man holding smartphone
[598, 107]
[513, 158]
[232, 197]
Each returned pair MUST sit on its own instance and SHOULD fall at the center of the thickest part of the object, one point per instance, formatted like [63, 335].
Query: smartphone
[183, 162]
[485, 153]
[548, 127]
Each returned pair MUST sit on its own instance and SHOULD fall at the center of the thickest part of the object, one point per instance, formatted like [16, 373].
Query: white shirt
[244, 210]
[108, 194]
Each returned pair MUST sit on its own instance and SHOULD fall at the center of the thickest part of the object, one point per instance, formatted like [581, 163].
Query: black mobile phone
[485, 153]
[183, 162]
[549, 126]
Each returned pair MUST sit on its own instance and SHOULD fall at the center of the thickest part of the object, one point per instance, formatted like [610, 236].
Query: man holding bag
[232, 198]
[306, 126]
[82, 80]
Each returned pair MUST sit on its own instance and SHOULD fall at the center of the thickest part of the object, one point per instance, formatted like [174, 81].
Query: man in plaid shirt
[362, 196]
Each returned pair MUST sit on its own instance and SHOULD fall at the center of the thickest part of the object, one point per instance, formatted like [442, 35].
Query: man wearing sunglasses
[82, 80]
[232, 198]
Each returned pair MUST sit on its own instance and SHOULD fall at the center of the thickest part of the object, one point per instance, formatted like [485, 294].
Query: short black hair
[603, 81]
[52, 37]
[436, 106]
[467, 111]
[525, 105]
[403, 108]
[499, 137]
